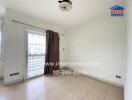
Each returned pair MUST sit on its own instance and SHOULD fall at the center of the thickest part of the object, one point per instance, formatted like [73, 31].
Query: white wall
[101, 40]
[128, 83]
[1, 69]
[2, 7]
[14, 52]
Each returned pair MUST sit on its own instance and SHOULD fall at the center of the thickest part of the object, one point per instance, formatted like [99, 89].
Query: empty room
[65, 49]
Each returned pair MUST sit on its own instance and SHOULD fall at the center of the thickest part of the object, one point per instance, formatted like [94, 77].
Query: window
[36, 54]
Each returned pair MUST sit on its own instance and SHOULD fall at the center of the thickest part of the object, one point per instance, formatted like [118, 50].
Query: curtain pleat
[52, 52]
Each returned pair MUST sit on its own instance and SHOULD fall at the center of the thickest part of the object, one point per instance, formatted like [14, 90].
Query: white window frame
[31, 31]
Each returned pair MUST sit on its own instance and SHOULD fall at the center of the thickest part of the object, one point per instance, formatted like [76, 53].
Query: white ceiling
[48, 10]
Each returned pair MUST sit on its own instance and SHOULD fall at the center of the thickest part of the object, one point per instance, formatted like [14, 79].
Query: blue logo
[117, 11]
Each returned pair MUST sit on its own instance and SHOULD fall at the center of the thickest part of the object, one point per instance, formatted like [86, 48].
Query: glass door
[36, 54]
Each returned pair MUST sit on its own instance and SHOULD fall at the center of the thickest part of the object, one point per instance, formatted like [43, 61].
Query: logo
[117, 11]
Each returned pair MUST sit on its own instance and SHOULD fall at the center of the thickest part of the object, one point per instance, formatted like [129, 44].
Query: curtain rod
[30, 25]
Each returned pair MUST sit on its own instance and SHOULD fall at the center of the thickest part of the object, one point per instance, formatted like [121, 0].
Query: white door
[35, 53]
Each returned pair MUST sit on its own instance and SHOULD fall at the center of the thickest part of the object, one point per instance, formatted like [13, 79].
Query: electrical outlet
[118, 76]
[14, 74]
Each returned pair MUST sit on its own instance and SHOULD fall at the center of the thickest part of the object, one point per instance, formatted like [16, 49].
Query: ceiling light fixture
[65, 5]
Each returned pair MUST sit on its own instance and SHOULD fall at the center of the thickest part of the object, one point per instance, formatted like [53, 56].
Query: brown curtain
[52, 52]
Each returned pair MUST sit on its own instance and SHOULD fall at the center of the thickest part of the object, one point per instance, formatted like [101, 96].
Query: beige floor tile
[63, 87]
[98, 92]
[78, 92]
[91, 96]
[114, 93]
[70, 96]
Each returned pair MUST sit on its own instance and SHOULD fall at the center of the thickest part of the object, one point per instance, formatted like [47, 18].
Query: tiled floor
[61, 88]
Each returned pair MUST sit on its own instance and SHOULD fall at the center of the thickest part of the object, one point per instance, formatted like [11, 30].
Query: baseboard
[104, 80]
[13, 82]
[101, 79]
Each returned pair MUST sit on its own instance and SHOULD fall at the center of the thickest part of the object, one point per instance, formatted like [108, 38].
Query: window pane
[35, 65]
[36, 54]
[36, 44]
